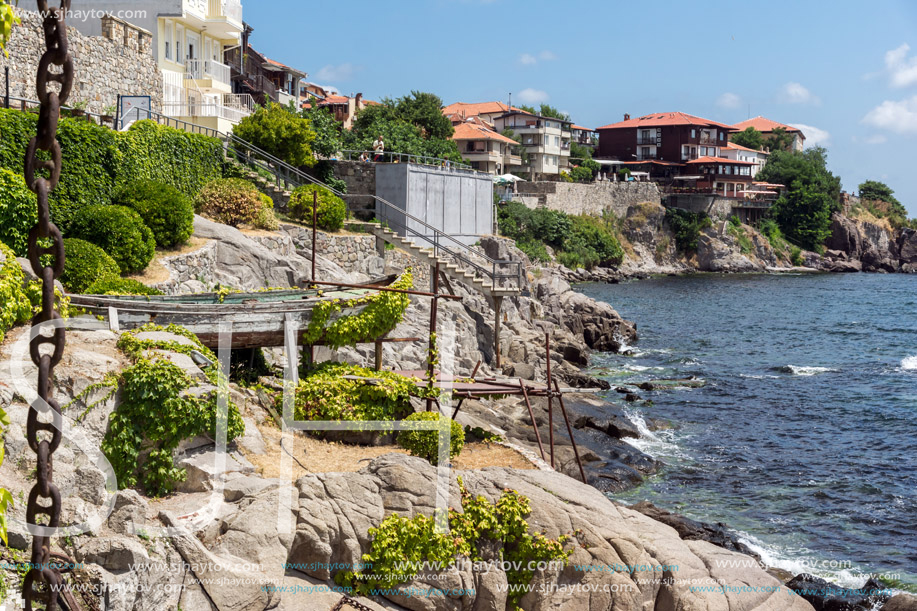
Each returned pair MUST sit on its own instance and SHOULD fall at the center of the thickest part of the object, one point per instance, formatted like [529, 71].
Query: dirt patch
[156, 272]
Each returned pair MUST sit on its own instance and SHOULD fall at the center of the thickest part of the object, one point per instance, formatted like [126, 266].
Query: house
[584, 136]
[344, 108]
[486, 111]
[307, 91]
[266, 80]
[484, 149]
[545, 142]
[738, 152]
[189, 41]
[767, 127]
[669, 136]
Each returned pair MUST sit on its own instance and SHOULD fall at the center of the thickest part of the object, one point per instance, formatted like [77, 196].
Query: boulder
[204, 467]
[692, 530]
[907, 246]
[901, 602]
[720, 253]
[827, 596]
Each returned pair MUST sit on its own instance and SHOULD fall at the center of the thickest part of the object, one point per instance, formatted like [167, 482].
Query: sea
[803, 440]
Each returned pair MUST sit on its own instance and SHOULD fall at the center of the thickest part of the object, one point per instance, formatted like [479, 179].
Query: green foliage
[381, 312]
[328, 141]
[15, 305]
[401, 547]
[750, 138]
[325, 394]
[425, 110]
[687, 227]
[97, 159]
[425, 444]
[281, 133]
[879, 199]
[735, 221]
[579, 241]
[769, 228]
[565, 177]
[113, 285]
[164, 209]
[546, 110]
[155, 415]
[324, 171]
[120, 232]
[804, 210]
[796, 256]
[18, 211]
[581, 174]
[736, 229]
[331, 209]
[578, 151]
[779, 140]
[231, 201]
[7, 20]
[86, 264]
[266, 219]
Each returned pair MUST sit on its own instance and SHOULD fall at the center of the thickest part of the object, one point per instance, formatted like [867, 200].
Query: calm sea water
[804, 439]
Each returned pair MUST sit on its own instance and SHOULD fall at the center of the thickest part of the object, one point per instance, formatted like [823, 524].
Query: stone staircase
[268, 187]
[449, 268]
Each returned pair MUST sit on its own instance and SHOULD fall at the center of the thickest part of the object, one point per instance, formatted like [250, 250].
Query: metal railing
[227, 8]
[207, 68]
[393, 157]
[653, 140]
[24, 104]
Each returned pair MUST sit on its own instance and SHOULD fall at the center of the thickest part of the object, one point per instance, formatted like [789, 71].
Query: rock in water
[827, 596]
[692, 530]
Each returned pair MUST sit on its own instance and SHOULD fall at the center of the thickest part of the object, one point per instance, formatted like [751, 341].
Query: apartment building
[484, 149]
[266, 80]
[190, 38]
[767, 127]
[545, 142]
[738, 152]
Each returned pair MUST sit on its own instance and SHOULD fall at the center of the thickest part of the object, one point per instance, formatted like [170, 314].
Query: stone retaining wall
[594, 198]
[188, 271]
[119, 62]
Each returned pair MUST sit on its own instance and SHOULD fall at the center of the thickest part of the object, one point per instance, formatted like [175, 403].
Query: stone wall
[119, 62]
[360, 177]
[579, 198]
[189, 272]
[715, 207]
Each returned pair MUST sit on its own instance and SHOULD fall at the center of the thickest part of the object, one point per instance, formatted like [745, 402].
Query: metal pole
[547, 348]
[6, 100]
[563, 410]
[434, 306]
[378, 355]
[498, 308]
[314, 222]
[528, 404]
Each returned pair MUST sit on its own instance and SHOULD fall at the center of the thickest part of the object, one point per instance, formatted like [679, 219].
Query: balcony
[231, 107]
[221, 19]
[229, 9]
[646, 157]
[512, 160]
[207, 69]
[651, 140]
[707, 139]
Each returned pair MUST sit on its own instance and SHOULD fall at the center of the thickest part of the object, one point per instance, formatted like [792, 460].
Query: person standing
[378, 149]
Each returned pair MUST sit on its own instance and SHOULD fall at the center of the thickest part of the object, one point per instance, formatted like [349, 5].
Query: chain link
[347, 601]
[43, 583]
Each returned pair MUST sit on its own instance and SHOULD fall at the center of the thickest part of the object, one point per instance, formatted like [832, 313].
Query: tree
[779, 140]
[425, 110]
[529, 109]
[578, 151]
[804, 210]
[547, 110]
[880, 199]
[279, 132]
[878, 191]
[750, 138]
[7, 20]
[400, 134]
[328, 142]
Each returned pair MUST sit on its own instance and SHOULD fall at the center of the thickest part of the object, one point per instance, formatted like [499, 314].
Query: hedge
[97, 160]
[113, 285]
[168, 212]
[425, 444]
[86, 263]
[332, 211]
[18, 211]
[120, 232]
[231, 201]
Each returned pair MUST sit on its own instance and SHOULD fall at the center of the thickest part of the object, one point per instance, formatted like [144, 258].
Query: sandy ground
[156, 272]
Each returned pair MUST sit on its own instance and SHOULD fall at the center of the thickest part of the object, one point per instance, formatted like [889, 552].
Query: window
[694, 133]
[168, 29]
[722, 134]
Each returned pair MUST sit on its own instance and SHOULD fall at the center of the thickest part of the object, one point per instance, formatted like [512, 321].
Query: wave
[650, 443]
[909, 363]
[797, 370]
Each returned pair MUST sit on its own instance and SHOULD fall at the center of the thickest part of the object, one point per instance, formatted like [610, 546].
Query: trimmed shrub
[425, 444]
[86, 264]
[331, 209]
[231, 201]
[115, 285]
[18, 211]
[266, 219]
[15, 305]
[120, 232]
[164, 209]
[281, 133]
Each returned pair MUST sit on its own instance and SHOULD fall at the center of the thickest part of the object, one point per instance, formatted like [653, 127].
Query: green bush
[281, 133]
[120, 232]
[97, 159]
[687, 227]
[15, 306]
[18, 212]
[331, 209]
[266, 219]
[581, 174]
[231, 201]
[426, 443]
[796, 256]
[115, 285]
[86, 264]
[164, 209]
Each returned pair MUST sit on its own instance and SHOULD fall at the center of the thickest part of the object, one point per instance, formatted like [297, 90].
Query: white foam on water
[797, 370]
[651, 443]
[909, 363]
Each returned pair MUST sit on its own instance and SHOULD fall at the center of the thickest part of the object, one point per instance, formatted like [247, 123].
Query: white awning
[508, 178]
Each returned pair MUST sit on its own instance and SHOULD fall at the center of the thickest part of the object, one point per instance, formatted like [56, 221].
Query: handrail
[24, 101]
[411, 158]
[288, 175]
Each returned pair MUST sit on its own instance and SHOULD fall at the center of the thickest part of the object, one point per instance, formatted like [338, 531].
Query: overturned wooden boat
[258, 318]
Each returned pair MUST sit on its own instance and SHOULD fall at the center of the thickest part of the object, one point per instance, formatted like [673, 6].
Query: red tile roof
[468, 110]
[470, 131]
[722, 160]
[739, 147]
[581, 128]
[766, 126]
[664, 119]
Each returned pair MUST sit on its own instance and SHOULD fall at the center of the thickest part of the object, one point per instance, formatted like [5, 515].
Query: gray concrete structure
[456, 202]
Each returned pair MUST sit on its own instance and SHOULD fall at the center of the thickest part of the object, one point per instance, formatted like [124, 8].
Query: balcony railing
[646, 157]
[232, 107]
[652, 140]
[707, 139]
[231, 9]
[207, 69]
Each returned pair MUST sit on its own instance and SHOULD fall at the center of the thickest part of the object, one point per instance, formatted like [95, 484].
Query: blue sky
[845, 71]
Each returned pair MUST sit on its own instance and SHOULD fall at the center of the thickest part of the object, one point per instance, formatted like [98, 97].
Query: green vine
[401, 547]
[382, 313]
[156, 413]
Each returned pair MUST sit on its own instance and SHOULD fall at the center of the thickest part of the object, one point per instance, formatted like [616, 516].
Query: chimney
[359, 99]
[626, 117]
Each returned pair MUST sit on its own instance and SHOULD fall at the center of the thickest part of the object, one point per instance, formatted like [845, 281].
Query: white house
[189, 41]
[545, 140]
[737, 152]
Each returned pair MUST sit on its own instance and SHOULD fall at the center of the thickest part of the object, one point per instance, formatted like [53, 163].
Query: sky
[844, 72]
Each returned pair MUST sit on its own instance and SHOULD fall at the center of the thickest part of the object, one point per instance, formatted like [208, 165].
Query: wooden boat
[258, 318]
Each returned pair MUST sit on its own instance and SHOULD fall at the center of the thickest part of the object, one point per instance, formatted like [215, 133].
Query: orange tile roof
[581, 128]
[720, 160]
[470, 131]
[765, 126]
[662, 119]
[468, 110]
[739, 147]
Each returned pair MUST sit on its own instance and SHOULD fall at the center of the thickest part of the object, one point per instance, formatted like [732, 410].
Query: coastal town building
[767, 127]
[344, 108]
[189, 41]
[486, 111]
[484, 149]
[738, 152]
[545, 142]
[584, 136]
[266, 80]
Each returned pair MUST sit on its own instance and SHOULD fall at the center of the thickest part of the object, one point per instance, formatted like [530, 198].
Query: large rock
[721, 253]
[692, 530]
[827, 596]
[867, 242]
[901, 602]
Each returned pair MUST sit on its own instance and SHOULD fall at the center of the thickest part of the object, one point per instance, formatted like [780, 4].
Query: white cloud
[533, 96]
[547, 56]
[796, 93]
[340, 72]
[729, 101]
[527, 59]
[814, 136]
[895, 116]
[877, 139]
[902, 69]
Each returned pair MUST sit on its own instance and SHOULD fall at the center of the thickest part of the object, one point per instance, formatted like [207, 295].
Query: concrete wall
[103, 67]
[579, 198]
[456, 202]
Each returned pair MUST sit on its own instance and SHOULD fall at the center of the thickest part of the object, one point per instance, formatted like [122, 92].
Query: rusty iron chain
[44, 583]
[348, 601]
